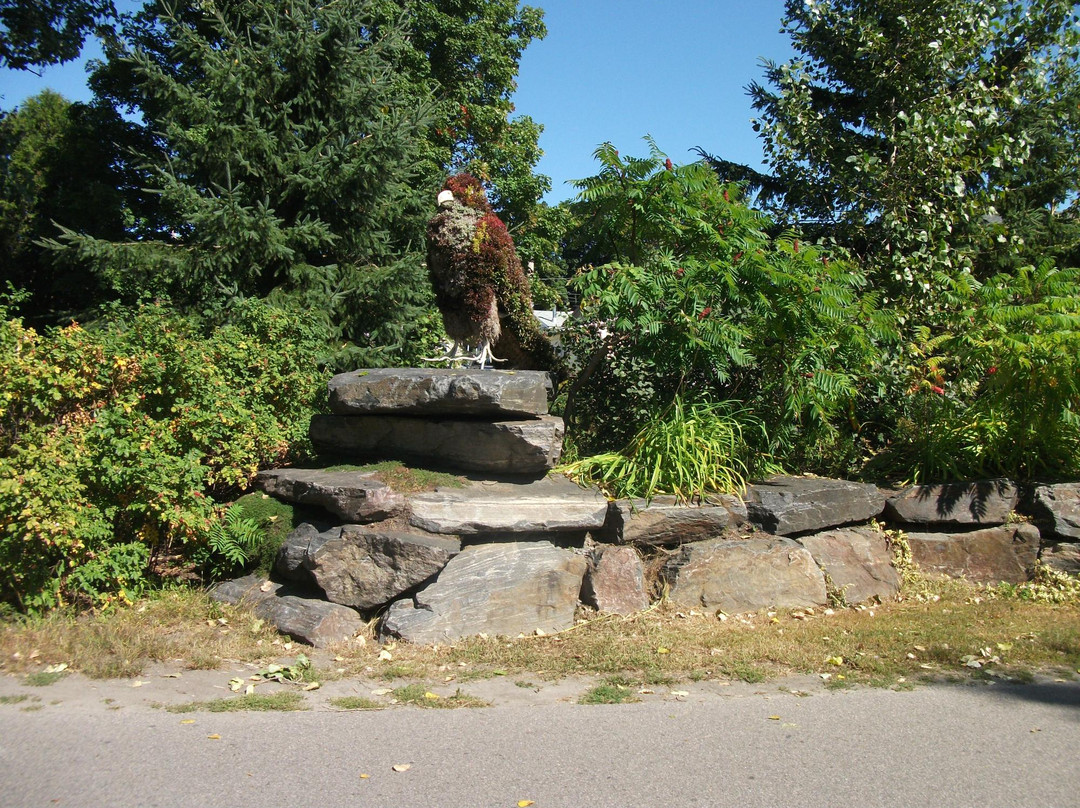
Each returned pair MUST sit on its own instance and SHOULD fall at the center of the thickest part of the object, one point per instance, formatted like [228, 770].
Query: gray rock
[353, 496]
[1057, 508]
[365, 568]
[664, 523]
[744, 575]
[492, 589]
[292, 554]
[615, 581]
[857, 561]
[306, 619]
[1004, 553]
[987, 502]
[316, 622]
[496, 394]
[501, 447]
[1063, 557]
[788, 506]
[249, 589]
[552, 503]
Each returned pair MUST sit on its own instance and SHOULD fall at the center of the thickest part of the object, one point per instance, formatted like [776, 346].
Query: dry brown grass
[890, 644]
[182, 625]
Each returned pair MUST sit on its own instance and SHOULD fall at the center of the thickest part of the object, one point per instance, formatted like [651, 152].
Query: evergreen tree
[289, 162]
[57, 164]
[929, 137]
[45, 32]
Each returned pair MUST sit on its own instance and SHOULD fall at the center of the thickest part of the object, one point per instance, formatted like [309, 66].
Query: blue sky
[612, 70]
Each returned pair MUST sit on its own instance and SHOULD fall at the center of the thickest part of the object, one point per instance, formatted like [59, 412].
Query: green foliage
[935, 139]
[233, 541]
[690, 451]
[275, 520]
[115, 438]
[998, 394]
[712, 308]
[289, 160]
[1047, 585]
[47, 32]
[56, 164]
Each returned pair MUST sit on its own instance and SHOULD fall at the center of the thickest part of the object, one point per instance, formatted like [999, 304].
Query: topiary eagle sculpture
[480, 287]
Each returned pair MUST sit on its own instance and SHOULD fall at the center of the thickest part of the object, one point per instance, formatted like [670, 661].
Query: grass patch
[356, 703]
[255, 702]
[119, 643]
[43, 678]
[608, 693]
[417, 695]
[405, 479]
[13, 699]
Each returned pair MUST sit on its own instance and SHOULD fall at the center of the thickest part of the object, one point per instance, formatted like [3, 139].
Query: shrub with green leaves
[998, 393]
[701, 302]
[116, 439]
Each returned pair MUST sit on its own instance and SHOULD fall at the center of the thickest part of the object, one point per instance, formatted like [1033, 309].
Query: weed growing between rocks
[608, 693]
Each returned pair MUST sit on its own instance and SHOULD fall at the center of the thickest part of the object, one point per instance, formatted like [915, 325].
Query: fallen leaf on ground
[680, 693]
[385, 655]
[171, 676]
[312, 686]
[138, 683]
[774, 718]
[56, 668]
[431, 696]
[524, 803]
[214, 737]
[382, 691]
[402, 767]
[365, 776]
[662, 650]
[188, 721]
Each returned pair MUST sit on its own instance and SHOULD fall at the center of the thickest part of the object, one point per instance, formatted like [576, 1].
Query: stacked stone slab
[492, 556]
[514, 550]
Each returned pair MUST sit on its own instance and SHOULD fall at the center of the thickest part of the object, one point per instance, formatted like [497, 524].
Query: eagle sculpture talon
[483, 358]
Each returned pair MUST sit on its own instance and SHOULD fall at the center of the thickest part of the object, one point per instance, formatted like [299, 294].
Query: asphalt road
[933, 746]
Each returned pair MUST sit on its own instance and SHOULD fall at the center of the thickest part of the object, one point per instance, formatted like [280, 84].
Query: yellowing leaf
[662, 650]
[188, 721]
[774, 718]
[214, 737]
[402, 767]
[249, 690]
[312, 686]
[835, 660]
[431, 696]
[365, 776]
[525, 803]
[235, 684]
[385, 655]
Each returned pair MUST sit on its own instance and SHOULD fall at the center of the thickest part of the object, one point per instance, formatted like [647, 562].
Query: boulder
[306, 619]
[856, 560]
[1003, 553]
[1057, 509]
[553, 503]
[615, 581]
[744, 575]
[353, 496]
[664, 523]
[316, 622]
[494, 394]
[499, 447]
[987, 502]
[787, 506]
[362, 567]
[492, 589]
[294, 550]
[1063, 557]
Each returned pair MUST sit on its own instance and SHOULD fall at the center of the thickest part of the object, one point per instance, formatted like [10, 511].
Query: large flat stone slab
[306, 619]
[744, 575]
[1057, 509]
[498, 447]
[553, 503]
[986, 502]
[787, 506]
[993, 554]
[494, 589]
[495, 394]
[857, 561]
[362, 567]
[353, 496]
[664, 523]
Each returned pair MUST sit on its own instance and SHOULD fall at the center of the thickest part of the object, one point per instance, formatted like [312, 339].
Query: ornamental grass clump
[691, 450]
